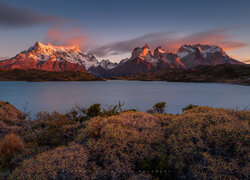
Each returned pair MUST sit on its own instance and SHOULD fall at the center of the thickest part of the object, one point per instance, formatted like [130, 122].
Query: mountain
[204, 55]
[140, 61]
[188, 56]
[167, 60]
[143, 59]
[105, 67]
[50, 58]
[102, 70]
[106, 64]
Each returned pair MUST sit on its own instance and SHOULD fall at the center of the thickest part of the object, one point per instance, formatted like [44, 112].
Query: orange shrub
[10, 145]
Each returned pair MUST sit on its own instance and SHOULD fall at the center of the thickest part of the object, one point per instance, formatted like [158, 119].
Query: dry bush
[10, 145]
[118, 143]
[208, 143]
[201, 143]
[66, 162]
[51, 130]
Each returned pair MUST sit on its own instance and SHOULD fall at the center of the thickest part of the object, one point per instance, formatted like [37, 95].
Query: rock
[11, 119]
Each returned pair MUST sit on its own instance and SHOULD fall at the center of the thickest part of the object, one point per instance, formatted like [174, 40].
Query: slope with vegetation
[112, 143]
[35, 75]
[225, 73]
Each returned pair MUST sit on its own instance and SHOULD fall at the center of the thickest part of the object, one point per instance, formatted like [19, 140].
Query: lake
[141, 95]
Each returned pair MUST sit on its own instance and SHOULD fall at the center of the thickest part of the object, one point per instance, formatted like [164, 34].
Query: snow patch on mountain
[183, 54]
[106, 64]
[204, 50]
[41, 52]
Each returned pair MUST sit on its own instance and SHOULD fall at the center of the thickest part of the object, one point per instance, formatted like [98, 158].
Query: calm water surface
[62, 96]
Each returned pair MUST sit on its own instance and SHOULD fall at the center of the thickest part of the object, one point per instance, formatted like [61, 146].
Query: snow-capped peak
[204, 50]
[208, 49]
[42, 52]
[106, 64]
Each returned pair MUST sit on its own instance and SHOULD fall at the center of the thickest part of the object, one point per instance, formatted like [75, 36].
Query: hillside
[35, 75]
[200, 143]
[226, 73]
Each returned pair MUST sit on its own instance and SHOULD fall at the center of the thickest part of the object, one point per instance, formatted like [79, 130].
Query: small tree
[94, 110]
[159, 107]
[78, 114]
[190, 106]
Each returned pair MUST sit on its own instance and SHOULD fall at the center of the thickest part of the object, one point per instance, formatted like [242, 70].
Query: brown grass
[10, 145]
[61, 163]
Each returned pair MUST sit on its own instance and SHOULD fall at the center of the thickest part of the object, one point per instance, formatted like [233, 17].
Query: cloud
[240, 58]
[230, 45]
[15, 17]
[71, 37]
[118, 47]
[170, 41]
[247, 61]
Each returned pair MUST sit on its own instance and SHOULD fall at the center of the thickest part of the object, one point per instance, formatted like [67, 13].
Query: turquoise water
[141, 95]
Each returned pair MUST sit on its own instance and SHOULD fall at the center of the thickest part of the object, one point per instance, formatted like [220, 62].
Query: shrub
[78, 114]
[61, 163]
[94, 110]
[190, 106]
[200, 143]
[10, 145]
[118, 143]
[51, 129]
[113, 109]
[159, 107]
[208, 143]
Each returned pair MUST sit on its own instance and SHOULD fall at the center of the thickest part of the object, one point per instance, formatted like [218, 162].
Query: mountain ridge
[143, 59]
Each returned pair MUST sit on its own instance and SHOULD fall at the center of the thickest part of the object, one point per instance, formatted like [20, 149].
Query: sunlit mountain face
[142, 59]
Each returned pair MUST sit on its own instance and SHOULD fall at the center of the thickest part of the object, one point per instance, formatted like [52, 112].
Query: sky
[111, 29]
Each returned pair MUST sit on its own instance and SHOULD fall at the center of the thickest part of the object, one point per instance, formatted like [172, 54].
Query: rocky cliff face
[188, 56]
[143, 60]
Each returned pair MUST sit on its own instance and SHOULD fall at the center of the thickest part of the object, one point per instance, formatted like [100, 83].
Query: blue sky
[107, 24]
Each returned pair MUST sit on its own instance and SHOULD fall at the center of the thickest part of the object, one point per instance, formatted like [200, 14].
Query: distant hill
[229, 73]
[34, 75]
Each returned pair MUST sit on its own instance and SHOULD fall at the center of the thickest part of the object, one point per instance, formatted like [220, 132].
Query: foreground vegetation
[113, 143]
[35, 75]
[224, 73]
